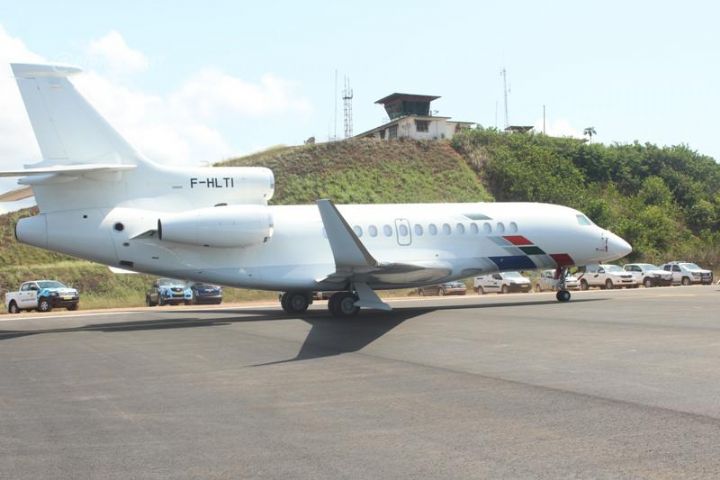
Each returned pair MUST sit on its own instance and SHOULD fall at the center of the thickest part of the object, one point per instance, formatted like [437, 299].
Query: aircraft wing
[77, 169]
[355, 265]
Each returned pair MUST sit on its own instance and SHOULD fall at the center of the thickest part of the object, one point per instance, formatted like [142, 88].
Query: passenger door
[402, 230]
[27, 298]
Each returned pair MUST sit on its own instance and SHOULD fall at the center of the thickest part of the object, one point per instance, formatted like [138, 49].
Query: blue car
[206, 293]
[167, 291]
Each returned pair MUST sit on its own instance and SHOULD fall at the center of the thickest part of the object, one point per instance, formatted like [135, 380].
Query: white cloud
[212, 92]
[117, 55]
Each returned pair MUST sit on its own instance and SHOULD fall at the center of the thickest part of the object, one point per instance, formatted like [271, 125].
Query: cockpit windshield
[583, 220]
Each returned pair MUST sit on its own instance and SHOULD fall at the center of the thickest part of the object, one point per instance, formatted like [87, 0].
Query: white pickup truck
[606, 276]
[43, 296]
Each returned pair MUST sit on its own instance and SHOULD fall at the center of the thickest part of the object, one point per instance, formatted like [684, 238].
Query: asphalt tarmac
[614, 384]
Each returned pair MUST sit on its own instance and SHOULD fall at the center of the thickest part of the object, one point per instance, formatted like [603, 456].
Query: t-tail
[90, 174]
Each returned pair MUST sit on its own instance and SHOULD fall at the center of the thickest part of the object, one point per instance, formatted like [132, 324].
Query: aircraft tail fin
[68, 129]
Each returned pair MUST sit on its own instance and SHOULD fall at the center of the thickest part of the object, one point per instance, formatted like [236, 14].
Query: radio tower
[347, 106]
[503, 73]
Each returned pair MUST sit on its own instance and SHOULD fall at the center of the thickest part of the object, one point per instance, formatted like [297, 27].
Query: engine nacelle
[222, 227]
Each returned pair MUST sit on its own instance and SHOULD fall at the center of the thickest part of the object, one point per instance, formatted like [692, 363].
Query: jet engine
[222, 227]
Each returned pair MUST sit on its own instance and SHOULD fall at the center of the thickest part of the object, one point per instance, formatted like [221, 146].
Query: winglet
[348, 250]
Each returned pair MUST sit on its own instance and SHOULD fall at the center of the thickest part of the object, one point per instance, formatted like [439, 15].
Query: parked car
[43, 296]
[206, 293]
[648, 274]
[606, 276]
[503, 282]
[447, 288]
[168, 291]
[686, 273]
[547, 281]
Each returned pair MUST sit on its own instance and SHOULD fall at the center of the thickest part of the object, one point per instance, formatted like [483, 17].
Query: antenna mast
[505, 95]
[347, 107]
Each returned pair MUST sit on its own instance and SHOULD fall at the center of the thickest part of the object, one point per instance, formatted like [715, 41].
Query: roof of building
[407, 96]
[519, 128]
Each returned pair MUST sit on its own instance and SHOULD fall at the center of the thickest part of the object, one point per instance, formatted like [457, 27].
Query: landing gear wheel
[342, 304]
[563, 296]
[648, 282]
[294, 302]
[13, 308]
[609, 284]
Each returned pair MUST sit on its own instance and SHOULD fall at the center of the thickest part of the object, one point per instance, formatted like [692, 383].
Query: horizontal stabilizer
[72, 170]
[17, 194]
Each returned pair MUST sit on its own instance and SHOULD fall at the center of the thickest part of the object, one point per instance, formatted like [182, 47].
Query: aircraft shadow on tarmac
[328, 336]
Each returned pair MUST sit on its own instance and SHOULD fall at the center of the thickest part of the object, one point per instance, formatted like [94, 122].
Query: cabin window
[403, 229]
[487, 228]
[358, 230]
[474, 228]
[432, 229]
[372, 230]
[513, 228]
[446, 229]
[500, 227]
[460, 228]
[387, 230]
[418, 230]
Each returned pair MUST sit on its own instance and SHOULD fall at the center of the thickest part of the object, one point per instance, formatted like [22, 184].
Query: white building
[410, 117]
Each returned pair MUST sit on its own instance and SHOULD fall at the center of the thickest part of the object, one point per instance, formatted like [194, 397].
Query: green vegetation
[665, 201]
[369, 171]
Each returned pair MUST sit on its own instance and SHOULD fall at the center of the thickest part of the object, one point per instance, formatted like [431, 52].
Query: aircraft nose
[616, 246]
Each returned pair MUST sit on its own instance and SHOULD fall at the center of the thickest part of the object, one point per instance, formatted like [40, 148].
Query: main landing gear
[340, 304]
[562, 295]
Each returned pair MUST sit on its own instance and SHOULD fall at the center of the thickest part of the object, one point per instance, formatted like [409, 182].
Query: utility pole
[505, 95]
[347, 108]
[335, 97]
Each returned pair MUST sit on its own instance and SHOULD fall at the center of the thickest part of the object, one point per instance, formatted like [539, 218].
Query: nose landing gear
[562, 295]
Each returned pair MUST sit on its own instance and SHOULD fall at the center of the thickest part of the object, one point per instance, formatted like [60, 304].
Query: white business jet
[101, 200]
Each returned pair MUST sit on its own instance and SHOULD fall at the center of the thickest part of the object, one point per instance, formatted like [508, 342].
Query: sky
[197, 82]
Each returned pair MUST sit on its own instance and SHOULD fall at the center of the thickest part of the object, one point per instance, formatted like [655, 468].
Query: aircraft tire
[294, 302]
[563, 296]
[342, 305]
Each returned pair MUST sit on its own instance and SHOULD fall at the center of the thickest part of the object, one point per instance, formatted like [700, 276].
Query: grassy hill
[360, 171]
[369, 171]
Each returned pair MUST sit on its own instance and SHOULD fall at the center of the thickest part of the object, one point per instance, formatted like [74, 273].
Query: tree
[589, 132]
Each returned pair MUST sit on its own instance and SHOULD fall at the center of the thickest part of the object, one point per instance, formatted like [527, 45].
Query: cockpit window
[583, 220]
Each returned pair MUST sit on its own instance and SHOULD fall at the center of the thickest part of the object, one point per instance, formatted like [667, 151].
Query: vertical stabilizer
[67, 128]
